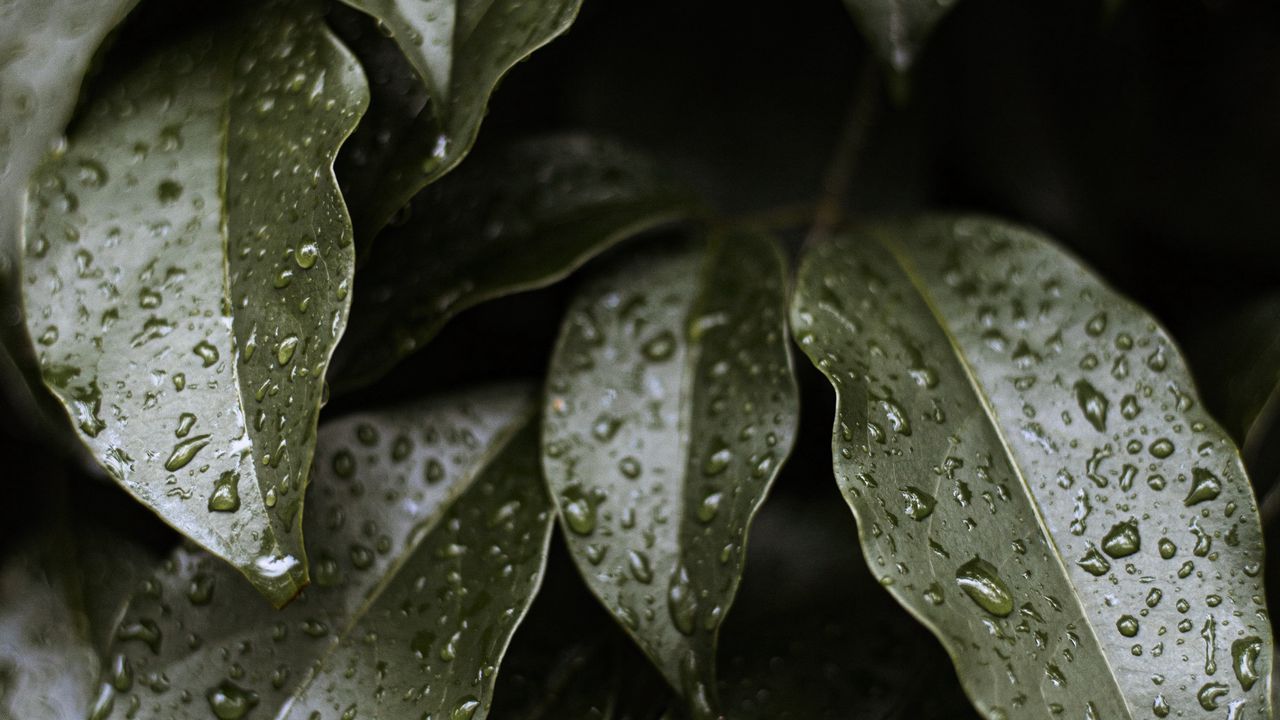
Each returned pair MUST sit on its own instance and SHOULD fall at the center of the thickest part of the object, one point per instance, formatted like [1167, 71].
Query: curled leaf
[671, 406]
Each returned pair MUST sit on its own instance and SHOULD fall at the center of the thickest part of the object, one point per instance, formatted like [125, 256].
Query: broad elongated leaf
[670, 407]
[515, 220]
[1033, 475]
[897, 29]
[187, 275]
[458, 49]
[428, 528]
[45, 50]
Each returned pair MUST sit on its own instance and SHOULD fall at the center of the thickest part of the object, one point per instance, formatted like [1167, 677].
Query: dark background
[1146, 140]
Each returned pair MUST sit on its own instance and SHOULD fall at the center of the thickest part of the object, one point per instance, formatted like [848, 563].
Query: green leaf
[428, 527]
[45, 50]
[1033, 476]
[898, 29]
[188, 266]
[518, 219]
[459, 50]
[670, 407]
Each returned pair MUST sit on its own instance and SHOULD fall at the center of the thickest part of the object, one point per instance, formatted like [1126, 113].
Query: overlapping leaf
[897, 29]
[187, 274]
[670, 407]
[459, 49]
[45, 50]
[513, 220]
[1033, 476]
[428, 529]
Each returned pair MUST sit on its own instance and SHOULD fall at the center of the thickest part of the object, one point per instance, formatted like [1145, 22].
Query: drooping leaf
[45, 50]
[419, 130]
[1033, 476]
[515, 220]
[670, 407]
[898, 29]
[187, 272]
[428, 528]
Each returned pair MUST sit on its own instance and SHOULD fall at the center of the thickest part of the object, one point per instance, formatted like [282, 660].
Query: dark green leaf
[459, 49]
[428, 530]
[515, 220]
[45, 50]
[670, 407]
[188, 266]
[897, 29]
[1033, 475]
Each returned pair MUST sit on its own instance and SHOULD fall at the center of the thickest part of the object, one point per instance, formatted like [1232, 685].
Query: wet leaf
[427, 527]
[419, 129]
[45, 50]
[898, 29]
[188, 264]
[1034, 477]
[514, 220]
[670, 407]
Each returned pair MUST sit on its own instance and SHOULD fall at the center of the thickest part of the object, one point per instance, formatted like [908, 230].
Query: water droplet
[207, 353]
[579, 513]
[1204, 486]
[1093, 404]
[200, 591]
[1167, 548]
[682, 604]
[919, 504]
[169, 191]
[285, 350]
[306, 254]
[1127, 625]
[1161, 448]
[1122, 539]
[659, 347]
[1244, 656]
[1210, 693]
[638, 563]
[185, 451]
[226, 493]
[710, 506]
[718, 458]
[466, 710]
[981, 582]
[229, 701]
[1094, 563]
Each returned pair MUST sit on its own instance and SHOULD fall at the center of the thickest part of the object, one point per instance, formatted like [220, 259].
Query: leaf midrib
[899, 255]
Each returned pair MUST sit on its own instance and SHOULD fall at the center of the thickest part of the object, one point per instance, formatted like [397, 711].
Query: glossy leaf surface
[897, 29]
[45, 50]
[428, 527]
[514, 220]
[670, 407]
[459, 49]
[1033, 475]
[187, 274]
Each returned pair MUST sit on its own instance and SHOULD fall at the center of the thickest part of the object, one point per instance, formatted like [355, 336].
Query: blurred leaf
[62, 597]
[193, 221]
[670, 407]
[898, 29]
[45, 50]
[1033, 476]
[428, 528]
[518, 219]
[419, 129]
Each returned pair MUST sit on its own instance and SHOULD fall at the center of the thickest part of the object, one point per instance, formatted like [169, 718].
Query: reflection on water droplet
[1122, 539]
[1204, 486]
[226, 493]
[919, 504]
[185, 451]
[1244, 656]
[981, 582]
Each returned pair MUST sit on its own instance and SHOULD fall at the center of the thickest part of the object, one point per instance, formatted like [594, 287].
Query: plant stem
[859, 118]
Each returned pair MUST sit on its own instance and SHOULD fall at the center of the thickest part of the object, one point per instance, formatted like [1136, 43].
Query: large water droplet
[982, 583]
[1122, 539]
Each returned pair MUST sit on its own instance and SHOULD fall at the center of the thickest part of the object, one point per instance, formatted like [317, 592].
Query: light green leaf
[188, 266]
[1033, 475]
[428, 527]
[45, 50]
[897, 29]
[459, 49]
[518, 219]
[670, 407]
